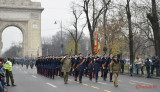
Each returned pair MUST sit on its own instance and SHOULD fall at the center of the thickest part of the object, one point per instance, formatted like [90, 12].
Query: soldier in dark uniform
[50, 66]
[109, 61]
[105, 67]
[72, 63]
[89, 64]
[75, 68]
[38, 65]
[80, 66]
[59, 66]
[54, 65]
[96, 67]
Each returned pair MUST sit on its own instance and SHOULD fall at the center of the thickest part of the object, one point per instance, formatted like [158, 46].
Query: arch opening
[12, 42]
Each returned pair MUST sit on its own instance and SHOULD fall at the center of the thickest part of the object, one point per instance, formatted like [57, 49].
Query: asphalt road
[28, 81]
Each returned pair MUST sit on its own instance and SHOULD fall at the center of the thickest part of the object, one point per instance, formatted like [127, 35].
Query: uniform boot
[13, 84]
[8, 84]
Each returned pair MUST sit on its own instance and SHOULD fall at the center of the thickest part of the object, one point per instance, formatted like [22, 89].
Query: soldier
[66, 67]
[50, 67]
[59, 67]
[8, 68]
[105, 67]
[89, 64]
[38, 65]
[72, 63]
[80, 65]
[75, 68]
[109, 61]
[115, 69]
[96, 67]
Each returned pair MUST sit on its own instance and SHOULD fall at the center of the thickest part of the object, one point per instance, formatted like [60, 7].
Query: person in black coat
[147, 63]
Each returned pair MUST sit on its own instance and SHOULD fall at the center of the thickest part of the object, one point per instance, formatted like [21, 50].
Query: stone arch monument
[25, 15]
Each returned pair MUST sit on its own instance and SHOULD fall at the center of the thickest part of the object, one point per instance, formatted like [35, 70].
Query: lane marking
[76, 81]
[107, 91]
[34, 76]
[95, 87]
[141, 82]
[69, 79]
[102, 83]
[84, 84]
[131, 83]
[51, 85]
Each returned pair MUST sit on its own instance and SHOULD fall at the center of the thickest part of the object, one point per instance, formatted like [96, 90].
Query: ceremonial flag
[97, 46]
[38, 52]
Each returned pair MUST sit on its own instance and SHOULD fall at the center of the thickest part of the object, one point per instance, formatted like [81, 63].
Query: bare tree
[92, 21]
[153, 17]
[106, 5]
[74, 32]
[130, 32]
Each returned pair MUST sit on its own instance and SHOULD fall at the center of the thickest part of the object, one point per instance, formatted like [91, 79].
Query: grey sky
[54, 10]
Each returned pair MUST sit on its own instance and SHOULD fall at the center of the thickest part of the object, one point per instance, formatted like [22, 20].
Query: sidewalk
[140, 75]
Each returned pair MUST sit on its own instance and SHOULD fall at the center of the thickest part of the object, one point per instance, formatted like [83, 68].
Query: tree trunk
[130, 32]
[92, 42]
[156, 31]
[76, 48]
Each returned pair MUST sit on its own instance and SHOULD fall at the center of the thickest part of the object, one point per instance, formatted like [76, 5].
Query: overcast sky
[54, 10]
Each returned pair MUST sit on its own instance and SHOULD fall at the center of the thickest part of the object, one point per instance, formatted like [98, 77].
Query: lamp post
[61, 38]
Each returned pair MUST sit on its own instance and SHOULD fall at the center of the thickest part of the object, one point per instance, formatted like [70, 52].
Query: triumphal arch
[25, 15]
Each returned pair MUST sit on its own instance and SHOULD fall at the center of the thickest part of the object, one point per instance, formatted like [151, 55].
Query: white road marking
[51, 85]
[102, 83]
[34, 76]
[25, 72]
[141, 82]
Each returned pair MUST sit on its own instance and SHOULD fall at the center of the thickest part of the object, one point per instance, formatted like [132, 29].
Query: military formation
[80, 66]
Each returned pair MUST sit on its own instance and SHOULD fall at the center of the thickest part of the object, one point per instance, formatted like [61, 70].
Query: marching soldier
[66, 67]
[89, 64]
[105, 67]
[115, 67]
[109, 61]
[80, 66]
[96, 67]
[75, 68]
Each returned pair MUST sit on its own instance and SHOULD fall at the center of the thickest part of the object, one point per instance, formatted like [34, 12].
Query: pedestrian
[122, 65]
[66, 67]
[153, 65]
[8, 68]
[142, 65]
[147, 63]
[157, 64]
[115, 69]
[136, 65]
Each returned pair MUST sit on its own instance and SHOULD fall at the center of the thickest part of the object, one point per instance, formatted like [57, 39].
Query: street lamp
[61, 38]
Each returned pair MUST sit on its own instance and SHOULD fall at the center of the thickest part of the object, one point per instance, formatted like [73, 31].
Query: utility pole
[61, 40]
